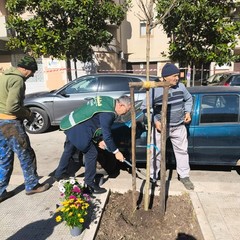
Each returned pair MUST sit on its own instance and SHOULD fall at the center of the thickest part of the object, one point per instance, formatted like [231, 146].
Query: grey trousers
[178, 137]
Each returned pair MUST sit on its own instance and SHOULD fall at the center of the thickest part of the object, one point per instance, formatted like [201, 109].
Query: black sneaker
[62, 177]
[187, 183]
[155, 178]
[94, 189]
[6, 195]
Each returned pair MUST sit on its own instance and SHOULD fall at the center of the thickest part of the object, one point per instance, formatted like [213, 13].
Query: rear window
[235, 80]
[114, 83]
[219, 108]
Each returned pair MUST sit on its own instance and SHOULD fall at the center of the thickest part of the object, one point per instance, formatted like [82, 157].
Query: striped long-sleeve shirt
[179, 102]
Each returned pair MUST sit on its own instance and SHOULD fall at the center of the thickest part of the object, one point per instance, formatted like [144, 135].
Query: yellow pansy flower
[58, 219]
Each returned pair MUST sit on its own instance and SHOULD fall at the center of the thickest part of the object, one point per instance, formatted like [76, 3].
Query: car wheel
[40, 124]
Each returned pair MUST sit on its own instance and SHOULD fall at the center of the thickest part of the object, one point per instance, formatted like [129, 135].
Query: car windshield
[85, 84]
[215, 78]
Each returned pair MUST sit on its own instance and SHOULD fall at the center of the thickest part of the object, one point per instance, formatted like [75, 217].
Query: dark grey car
[51, 107]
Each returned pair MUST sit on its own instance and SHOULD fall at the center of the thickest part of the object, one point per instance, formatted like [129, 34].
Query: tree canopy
[64, 29]
[202, 31]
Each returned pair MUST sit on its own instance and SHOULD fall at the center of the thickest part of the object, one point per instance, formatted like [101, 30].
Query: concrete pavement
[216, 199]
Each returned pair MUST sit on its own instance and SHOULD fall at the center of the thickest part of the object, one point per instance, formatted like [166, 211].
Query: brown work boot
[6, 195]
[38, 189]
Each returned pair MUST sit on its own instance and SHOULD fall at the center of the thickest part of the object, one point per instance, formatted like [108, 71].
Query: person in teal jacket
[13, 138]
[82, 126]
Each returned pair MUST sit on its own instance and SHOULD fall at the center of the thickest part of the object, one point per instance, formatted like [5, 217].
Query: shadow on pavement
[42, 230]
[19, 188]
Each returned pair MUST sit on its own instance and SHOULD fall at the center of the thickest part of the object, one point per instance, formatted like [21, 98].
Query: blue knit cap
[169, 69]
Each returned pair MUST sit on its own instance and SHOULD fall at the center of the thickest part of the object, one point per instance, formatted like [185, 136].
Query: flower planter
[74, 206]
[75, 231]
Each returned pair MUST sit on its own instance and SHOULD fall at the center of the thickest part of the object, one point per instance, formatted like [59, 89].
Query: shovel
[138, 170]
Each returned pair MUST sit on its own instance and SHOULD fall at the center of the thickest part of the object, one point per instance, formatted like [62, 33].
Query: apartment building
[51, 74]
[5, 55]
[126, 53]
[135, 43]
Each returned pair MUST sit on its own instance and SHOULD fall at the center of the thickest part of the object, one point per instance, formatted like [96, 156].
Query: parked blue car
[213, 134]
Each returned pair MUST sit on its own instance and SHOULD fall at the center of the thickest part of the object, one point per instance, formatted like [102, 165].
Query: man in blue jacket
[178, 114]
[82, 126]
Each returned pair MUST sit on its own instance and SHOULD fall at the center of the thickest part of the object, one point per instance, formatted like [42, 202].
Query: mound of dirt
[120, 222]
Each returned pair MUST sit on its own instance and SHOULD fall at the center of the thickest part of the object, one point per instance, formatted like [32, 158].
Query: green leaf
[63, 28]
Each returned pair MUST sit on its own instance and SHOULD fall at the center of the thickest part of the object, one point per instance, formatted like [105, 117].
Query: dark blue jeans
[90, 160]
[13, 139]
[69, 150]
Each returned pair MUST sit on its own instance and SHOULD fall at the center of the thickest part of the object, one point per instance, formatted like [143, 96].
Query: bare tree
[147, 15]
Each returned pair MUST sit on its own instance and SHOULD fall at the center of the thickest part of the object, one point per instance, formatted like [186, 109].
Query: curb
[201, 217]
[90, 233]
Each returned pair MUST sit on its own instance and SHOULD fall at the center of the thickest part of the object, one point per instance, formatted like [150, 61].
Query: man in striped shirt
[178, 114]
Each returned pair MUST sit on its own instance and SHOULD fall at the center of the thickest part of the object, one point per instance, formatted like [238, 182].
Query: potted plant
[74, 205]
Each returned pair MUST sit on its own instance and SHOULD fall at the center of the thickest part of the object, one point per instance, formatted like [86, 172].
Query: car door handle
[88, 98]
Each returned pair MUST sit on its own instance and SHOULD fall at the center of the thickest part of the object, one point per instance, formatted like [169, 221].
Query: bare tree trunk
[146, 197]
[75, 67]
[69, 75]
[147, 9]
[133, 138]
[201, 74]
[149, 85]
[193, 76]
[163, 153]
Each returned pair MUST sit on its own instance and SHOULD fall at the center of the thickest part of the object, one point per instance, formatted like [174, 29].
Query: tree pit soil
[120, 222]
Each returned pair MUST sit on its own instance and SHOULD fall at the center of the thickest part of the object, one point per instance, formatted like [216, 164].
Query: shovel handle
[128, 163]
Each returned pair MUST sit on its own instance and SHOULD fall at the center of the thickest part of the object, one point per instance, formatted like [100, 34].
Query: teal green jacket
[87, 111]
[91, 122]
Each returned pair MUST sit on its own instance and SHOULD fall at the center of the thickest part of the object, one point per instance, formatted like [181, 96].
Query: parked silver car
[51, 107]
[216, 79]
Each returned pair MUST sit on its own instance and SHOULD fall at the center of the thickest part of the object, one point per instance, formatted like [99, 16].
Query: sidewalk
[32, 217]
[216, 199]
[23, 217]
